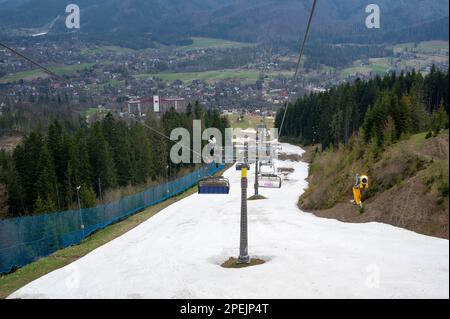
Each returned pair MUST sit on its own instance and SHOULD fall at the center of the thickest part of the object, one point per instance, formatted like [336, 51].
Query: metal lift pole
[257, 165]
[243, 248]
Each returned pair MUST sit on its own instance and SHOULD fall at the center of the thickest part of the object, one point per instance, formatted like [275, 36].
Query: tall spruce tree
[116, 134]
[100, 157]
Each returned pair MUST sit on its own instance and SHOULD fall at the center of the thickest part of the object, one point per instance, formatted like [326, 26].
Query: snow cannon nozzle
[364, 182]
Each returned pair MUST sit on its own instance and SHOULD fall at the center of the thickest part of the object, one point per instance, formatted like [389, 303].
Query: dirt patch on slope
[408, 206]
[289, 157]
[8, 143]
[286, 170]
[408, 186]
[436, 148]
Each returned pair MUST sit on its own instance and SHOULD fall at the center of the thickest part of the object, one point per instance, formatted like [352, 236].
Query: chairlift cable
[60, 78]
[50, 72]
[298, 62]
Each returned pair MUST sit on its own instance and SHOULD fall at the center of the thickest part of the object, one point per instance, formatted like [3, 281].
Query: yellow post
[243, 173]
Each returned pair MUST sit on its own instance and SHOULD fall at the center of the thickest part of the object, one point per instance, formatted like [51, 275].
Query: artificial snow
[178, 253]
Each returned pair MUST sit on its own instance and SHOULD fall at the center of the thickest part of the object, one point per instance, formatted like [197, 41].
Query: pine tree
[339, 113]
[46, 184]
[390, 132]
[56, 146]
[62, 150]
[142, 154]
[158, 145]
[336, 128]
[189, 110]
[69, 186]
[439, 120]
[26, 157]
[101, 160]
[43, 206]
[420, 118]
[87, 196]
[15, 193]
[401, 115]
[116, 134]
[81, 161]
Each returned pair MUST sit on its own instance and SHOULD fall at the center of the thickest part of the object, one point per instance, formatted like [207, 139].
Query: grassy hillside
[408, 184]
[245, 76]
[209, 43]
[37, 73]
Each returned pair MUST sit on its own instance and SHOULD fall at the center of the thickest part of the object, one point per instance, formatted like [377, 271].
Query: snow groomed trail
[178, 252]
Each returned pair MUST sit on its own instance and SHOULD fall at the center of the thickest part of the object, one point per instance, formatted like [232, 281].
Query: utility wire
[57, 76]
[50, 72]
[298, 62]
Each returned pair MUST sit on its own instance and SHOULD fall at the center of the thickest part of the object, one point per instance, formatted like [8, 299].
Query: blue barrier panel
[25, 239]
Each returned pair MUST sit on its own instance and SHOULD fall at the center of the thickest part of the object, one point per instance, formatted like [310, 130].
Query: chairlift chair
[267, 167]
[214, 185]
[269, 181]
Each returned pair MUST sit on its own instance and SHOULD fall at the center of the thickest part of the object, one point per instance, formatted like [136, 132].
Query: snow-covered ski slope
[178, 252]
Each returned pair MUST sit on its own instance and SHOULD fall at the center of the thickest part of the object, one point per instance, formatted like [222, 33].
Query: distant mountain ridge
[242, 20]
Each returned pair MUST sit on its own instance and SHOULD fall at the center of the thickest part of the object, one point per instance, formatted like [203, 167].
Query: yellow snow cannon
[360, 188]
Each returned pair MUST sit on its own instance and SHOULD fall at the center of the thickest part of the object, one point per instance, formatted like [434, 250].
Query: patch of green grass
[402, 46]
[379, 65]
[106, 49]
[102, 86]
[444, 189]
[418, 139]
[25, 75]
[208, 43]
[248, 121]
[245, 76]
[423, 46]
[434, 45]
[94, 110]
[345, 73]
[208, 76]
[12, 282]
[362, 210]
[379, 68]
[36, 73]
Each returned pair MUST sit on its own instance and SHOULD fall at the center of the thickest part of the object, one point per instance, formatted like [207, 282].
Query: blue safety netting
[25, 239]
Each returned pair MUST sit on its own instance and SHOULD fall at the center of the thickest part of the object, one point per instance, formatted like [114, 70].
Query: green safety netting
[25, 239]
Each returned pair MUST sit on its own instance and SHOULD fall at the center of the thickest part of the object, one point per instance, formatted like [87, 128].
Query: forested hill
[249, 20]
[106, 158]
[382, 108]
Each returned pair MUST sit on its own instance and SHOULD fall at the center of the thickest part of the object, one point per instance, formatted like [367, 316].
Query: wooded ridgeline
[384, 108]
[42, 173]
